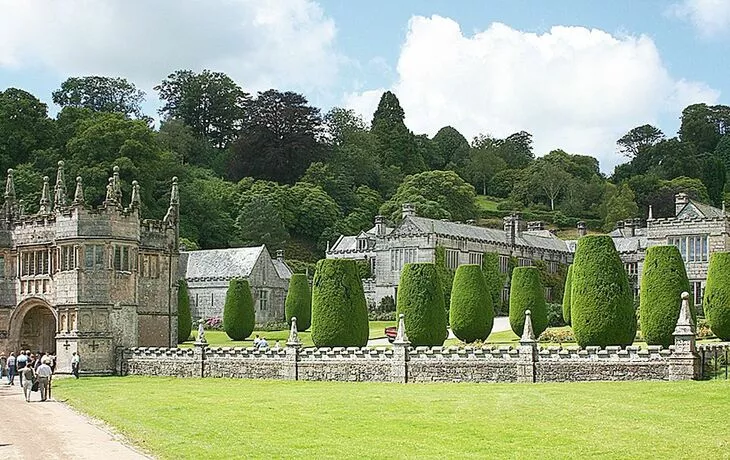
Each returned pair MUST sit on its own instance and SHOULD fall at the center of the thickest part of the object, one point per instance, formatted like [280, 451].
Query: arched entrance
[33, 327]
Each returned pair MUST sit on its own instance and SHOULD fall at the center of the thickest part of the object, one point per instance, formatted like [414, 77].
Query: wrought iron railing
[714, 360]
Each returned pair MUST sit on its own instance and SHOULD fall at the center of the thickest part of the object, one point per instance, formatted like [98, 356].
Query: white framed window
[263, 299]
[632, 268]
[452, 259]
[523, 262]
[698, 292]
[694, 248]
[401, 256]
[362, 244]
[475, 258]
[503, 264]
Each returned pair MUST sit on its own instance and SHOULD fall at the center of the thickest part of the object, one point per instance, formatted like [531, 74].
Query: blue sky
[576, 74]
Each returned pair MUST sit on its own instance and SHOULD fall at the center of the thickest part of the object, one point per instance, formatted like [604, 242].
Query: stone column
[293, 344]
[684, 363]
[399, 370]
[527, 352]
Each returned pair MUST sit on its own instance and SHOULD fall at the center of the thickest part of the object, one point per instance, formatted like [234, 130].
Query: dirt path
[51, 430]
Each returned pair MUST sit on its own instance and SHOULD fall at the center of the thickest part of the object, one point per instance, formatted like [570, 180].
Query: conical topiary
[421, 300]
[184, 320]
[526, 293]
[339, 309]
[238, 313]
[471, 314]
[299, 301]
[663, 281]
[566, 295]
[717, 295]
[601, 304]
[495, 283]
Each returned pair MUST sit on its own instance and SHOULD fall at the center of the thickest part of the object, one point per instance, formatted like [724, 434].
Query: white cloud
[282, 43]
[709, 17]
[573, 88]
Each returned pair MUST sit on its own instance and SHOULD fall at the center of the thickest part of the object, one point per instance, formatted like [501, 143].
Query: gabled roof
[696, 209]
[282, 269]
[221, 263]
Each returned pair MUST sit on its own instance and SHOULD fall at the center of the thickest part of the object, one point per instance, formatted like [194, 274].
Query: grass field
[486, 203]
[222, 418]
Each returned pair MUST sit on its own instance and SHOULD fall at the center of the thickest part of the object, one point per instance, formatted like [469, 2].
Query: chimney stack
[535, 225]
[509, 229]
[629, 224]
[280, 255]
[408, 210]
[680, 201]
[379, 226]
[581, 229]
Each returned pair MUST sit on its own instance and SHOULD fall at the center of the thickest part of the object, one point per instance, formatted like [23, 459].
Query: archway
[33, 327]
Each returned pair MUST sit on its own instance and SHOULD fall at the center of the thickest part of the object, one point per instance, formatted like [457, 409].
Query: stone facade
[74, 278]
[416, 238]
[208, 274]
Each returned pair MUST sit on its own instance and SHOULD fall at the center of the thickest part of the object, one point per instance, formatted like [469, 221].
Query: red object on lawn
[391, 332]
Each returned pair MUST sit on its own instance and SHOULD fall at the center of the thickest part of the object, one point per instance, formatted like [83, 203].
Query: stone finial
[528, 333]
[723, 208]
[174, 193]
[651, 213]
[135, 201]
[117, 185]
[401, 337]
[293, 340]
[45, 206]
[685, 325]
[10, 186]
[79, 193]
[9, 207]
[59, 191]
[109, 192]
[171, 217]
[201, 333]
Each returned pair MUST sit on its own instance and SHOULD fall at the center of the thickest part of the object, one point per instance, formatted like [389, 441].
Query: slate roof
[706, 210]
[221, 263]
[349, 242]
[622, 243]
[537, 239]
[282, 269]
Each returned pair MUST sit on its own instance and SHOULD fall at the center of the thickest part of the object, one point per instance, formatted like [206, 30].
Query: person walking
[20, 362]
[44, 378]
[12, 363]
[75, 363]
[28, 376]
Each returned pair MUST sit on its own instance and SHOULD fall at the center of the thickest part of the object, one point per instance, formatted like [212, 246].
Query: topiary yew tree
[526, 293]
[601, 303]
[566, 296]
[421, 300]
[238, 313]
[662, 284]
[339, 309]
[494, 279]
[471, 314]
[184, 320]
[299, 301]
[717, 295]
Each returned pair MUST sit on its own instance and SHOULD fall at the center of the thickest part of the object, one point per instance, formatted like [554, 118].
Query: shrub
[384, 311]
[184, 319]
[214, 323]
[446, 275]
[526, 293]
[601, 304]
[238, 313]
[717, 295]
[339, 309]
[421, 300]
[492, 277]
[471, 313]
[554, 314]
[299, 301]
[557, 336]
[566, 296]
[662, 284]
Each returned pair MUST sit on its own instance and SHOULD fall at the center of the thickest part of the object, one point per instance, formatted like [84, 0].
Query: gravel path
[51, 430]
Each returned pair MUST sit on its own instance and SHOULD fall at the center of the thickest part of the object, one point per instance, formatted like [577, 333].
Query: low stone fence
[403, 363]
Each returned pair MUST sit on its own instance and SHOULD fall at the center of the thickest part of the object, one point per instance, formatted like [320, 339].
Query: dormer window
[362, 244]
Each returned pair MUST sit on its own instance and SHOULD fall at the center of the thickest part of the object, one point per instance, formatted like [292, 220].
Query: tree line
[271, 168]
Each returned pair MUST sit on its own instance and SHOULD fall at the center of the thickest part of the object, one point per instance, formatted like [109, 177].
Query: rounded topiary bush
[299, 301]
[526, 293]
[717, 295]
[184, 320]
[238, 314]
[662, 284]
[566, 295]
[421, 300]
[339, 309]
[471, 314]
[601, 302]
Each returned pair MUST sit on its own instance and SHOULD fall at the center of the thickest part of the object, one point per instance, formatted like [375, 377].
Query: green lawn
[223, 418]
[486, 203]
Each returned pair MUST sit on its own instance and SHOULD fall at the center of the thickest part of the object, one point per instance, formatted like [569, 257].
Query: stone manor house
[697, 229]
[73, 278]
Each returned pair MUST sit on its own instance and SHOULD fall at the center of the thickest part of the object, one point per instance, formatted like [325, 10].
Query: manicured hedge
[493, 278]
[663, 281]
[471, 314]
[339, 309]
[717, 295]
[184, 320]
[238, 313]
[601, 304]
[421, 300]
[299, 301]
[526, 293]
[566, 296]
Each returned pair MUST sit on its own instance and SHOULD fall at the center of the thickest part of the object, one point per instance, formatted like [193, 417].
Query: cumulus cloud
[281, 43]
[709, 17]
[573, 88]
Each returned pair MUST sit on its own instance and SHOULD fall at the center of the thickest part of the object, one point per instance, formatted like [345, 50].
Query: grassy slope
[222, 418]
[486, 203]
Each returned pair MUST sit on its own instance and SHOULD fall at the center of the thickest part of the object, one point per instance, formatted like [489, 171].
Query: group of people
[34, 370]
[260, 343]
